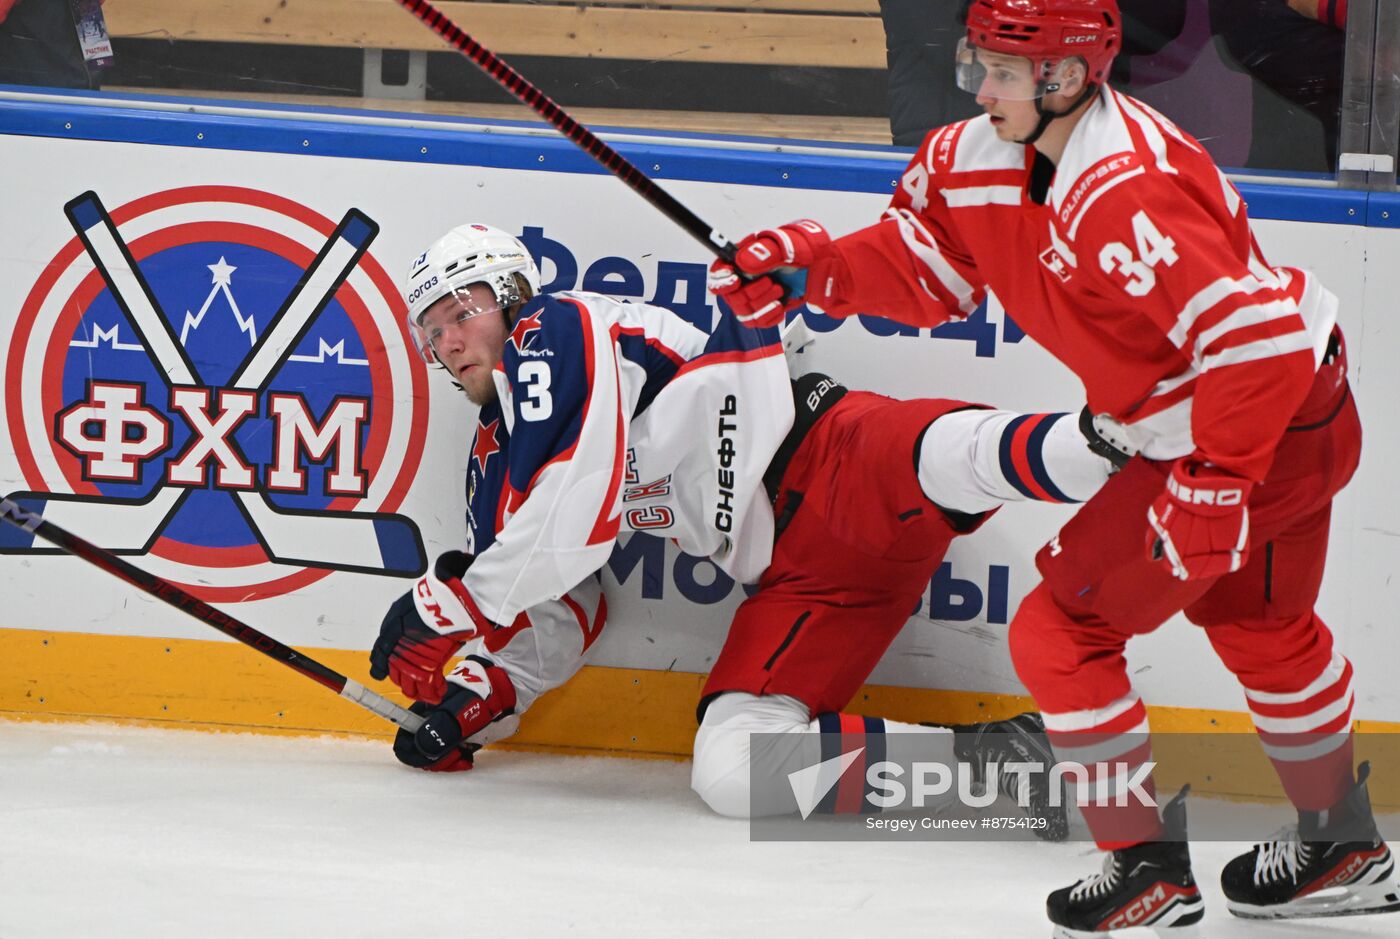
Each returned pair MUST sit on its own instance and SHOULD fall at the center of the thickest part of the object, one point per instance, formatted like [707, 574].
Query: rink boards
[225, 215]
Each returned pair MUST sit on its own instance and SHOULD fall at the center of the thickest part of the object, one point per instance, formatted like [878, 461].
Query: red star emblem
[525, 328]
[486, 444]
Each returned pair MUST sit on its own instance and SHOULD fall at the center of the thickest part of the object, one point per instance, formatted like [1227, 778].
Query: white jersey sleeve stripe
[1150, 131]
[1231, 194]
[1242, 318]
[924, 247]
[982, 195]
[1211, 296]
[1314, 305]
[1167, 385]
[1167, 125]
[1318, 308]
[1261, 270]
[1261, 349]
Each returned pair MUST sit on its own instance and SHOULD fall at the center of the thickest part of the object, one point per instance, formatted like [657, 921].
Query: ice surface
[111, 832]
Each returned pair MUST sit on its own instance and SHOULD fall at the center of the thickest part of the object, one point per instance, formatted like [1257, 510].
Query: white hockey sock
[972, 461]
[777, 733]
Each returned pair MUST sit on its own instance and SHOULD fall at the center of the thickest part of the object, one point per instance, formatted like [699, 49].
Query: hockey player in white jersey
[599, 417]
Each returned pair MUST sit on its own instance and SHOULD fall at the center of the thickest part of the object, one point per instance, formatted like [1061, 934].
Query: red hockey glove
[425, 627]
[796, 244]
[1200, 525]
[479, 693]
[765, 299]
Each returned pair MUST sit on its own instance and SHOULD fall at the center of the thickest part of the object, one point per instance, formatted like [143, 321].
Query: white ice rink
[111, 832]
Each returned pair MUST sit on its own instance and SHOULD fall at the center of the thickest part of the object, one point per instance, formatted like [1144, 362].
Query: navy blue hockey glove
[479, 693]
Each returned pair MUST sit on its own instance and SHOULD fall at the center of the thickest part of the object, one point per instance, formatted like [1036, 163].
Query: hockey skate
[1145, 887]
[1334, 863]
[1020, 739]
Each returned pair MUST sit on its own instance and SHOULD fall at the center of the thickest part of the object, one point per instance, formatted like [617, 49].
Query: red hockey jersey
[1139, 272]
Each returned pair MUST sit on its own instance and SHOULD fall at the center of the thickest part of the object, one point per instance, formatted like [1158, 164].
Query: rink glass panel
[1259, 83]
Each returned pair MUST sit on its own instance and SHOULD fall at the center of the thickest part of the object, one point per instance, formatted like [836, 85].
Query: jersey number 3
[1153, 248]
[538, 404]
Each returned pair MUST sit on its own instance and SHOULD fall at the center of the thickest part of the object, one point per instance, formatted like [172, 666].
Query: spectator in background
[1331, 12]
[1188, 79]
[921, 37]
[56, 43]
[1294, 48]
[1148, 27]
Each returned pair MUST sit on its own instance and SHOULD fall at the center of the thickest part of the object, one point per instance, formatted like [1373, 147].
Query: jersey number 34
[1153, 248]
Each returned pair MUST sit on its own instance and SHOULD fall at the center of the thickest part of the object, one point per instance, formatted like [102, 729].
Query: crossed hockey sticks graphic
[368, 542]
[34, 525]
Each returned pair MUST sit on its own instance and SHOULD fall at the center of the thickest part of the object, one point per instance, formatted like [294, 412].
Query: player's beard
[479, 385]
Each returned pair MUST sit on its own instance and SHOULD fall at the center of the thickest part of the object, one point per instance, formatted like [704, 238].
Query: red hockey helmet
[1049, 31]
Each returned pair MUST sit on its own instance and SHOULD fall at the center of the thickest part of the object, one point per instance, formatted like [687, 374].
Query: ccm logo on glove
[431, 607]
[444, 601]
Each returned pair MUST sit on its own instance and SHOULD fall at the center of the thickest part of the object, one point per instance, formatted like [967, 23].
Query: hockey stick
[375, 543]
[129, 526]
[545, 107]
[161, 589]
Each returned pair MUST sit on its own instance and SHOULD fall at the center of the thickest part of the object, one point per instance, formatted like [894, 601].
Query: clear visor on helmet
[453, 309]
[1005, 77]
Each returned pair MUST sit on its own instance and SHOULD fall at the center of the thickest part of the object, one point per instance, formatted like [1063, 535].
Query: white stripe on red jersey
[1139, 272]
[945, 285]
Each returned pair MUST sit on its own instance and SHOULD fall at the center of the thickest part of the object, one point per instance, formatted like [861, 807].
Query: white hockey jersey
[613, 417]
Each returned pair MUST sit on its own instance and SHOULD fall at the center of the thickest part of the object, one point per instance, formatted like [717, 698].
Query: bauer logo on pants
[217, 378]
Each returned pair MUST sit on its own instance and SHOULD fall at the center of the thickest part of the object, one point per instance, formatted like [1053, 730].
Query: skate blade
[1191, 931]
[1180, 920]
[1355, 900]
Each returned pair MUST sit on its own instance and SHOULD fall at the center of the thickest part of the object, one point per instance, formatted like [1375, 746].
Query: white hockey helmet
[468, 254]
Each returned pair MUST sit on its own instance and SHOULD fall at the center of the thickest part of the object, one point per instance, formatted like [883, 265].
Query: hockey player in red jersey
[1118, 245]
[599, 417]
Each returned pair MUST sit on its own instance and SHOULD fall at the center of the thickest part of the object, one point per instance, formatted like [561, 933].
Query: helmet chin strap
[1046, 117]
